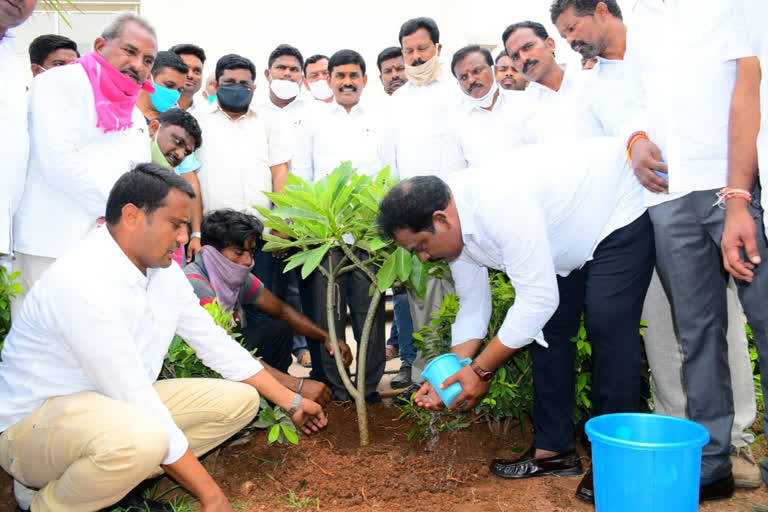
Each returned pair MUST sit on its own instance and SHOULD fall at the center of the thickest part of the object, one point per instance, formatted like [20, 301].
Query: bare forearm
[301, 324]
[271, 389]
[279, 175]
[494, 355]
[191, 475]
[289, 381]
[744, 124]
[196, 215]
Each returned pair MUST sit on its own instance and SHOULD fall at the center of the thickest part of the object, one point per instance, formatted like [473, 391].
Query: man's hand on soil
[473, 388]
[316, 391]
[427, 398]
[218, 504]
[309, 417]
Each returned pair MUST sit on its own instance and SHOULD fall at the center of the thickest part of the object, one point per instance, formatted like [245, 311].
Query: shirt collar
[540, 90]
[355, 110]
[220, 111]
[123, 266]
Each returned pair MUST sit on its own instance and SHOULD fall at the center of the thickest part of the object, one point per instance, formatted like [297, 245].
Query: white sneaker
[24, 495]
[746, 473]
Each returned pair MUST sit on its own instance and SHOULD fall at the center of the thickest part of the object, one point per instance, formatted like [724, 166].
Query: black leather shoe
[586, 489]
[718, 490]
[527, 466]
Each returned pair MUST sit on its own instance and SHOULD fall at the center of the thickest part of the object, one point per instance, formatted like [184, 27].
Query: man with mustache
[430, 144]
[491, 123]
[391, 69]
[506, 74]
[559, 107]
[14, 137]
[316, 78]
[596, 30]
[85, 132]
[89, 420]
[347, 131]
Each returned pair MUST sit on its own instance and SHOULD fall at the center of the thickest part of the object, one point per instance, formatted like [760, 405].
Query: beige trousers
[31, 268]
[86, 451]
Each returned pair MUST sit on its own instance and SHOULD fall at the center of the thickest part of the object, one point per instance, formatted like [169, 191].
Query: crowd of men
[621, 191]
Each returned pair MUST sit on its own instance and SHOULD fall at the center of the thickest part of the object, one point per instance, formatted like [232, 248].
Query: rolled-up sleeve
[474, 292]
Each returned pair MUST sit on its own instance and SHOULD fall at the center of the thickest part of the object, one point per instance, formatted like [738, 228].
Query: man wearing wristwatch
[549, 238]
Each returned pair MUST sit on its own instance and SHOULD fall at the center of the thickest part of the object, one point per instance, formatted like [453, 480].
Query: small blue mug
[439, 369]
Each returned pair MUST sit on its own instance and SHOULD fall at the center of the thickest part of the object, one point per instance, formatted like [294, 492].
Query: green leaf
[377, 243]
[290, 434]
[296, 213]
[387, 273]
[404, 263]
[314, 257]
[274, 433]
[419, 276]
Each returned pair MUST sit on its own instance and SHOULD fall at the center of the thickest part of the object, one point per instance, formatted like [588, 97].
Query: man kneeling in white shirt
[84, 417]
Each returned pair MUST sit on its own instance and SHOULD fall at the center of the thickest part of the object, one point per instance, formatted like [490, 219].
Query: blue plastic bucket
[439, 369]
[645, 462]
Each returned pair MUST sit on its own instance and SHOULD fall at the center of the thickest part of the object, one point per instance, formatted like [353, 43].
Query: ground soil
[442, 475]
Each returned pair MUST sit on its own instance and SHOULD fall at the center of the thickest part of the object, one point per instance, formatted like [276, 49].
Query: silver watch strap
[295, 404]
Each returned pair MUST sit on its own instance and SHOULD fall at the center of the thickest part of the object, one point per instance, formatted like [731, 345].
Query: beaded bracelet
[730, 193]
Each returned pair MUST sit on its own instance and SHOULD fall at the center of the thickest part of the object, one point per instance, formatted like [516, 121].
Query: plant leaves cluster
[10, 288]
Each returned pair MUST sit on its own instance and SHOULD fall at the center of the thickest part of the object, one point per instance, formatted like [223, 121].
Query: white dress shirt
[236, 157]
[533, 226]
[73, 164]
[94, 322]
[424, 122]
[551, 116]
[334, 135]
[14, 138]
[677, 52]
[485, 134]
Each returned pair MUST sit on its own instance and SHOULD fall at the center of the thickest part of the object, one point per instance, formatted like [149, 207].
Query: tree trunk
[362, 358]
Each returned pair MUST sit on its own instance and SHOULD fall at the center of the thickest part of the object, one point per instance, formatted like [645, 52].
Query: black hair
[285, 49]
[185, 120]
[537, 28]
[411, 203]
[499, 56]
[462, 53]
[188, 49]
[342, 57]
[412, 25]
[229, 228]
[388, 53]
[582, 8]
[234, 61]
[311, 60]
[145, 186]
[42, 46]
[166, 59]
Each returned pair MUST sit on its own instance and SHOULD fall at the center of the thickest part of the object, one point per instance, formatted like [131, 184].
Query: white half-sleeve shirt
[94, 322]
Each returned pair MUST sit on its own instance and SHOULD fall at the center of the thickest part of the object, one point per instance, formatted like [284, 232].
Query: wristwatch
[194, 234]
[295, 404]
[484, 375]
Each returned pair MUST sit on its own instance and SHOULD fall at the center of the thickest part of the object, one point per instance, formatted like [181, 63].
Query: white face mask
[486, 100]
[284, 89]
[320, 89]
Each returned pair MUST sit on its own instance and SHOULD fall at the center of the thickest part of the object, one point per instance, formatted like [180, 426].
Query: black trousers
[273, 340]
[351, 290]
[610, 290]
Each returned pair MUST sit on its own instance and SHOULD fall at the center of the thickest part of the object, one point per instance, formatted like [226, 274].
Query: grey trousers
[665, 358]
[421, 315]
[351, 290]
[687, 234]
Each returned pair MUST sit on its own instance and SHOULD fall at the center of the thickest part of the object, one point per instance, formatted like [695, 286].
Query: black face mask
[234, 97]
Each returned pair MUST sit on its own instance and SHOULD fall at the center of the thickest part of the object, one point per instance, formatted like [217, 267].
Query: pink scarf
[226, 277]
[114, 94]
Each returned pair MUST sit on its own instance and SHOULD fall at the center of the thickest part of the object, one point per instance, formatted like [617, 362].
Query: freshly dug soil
[330, 471]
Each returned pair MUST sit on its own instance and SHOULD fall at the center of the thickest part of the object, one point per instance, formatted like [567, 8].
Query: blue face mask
[164, 98]
[211, 98]
[189, 164]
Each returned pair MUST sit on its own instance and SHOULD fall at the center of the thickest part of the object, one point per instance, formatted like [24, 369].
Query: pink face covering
[114, 93]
